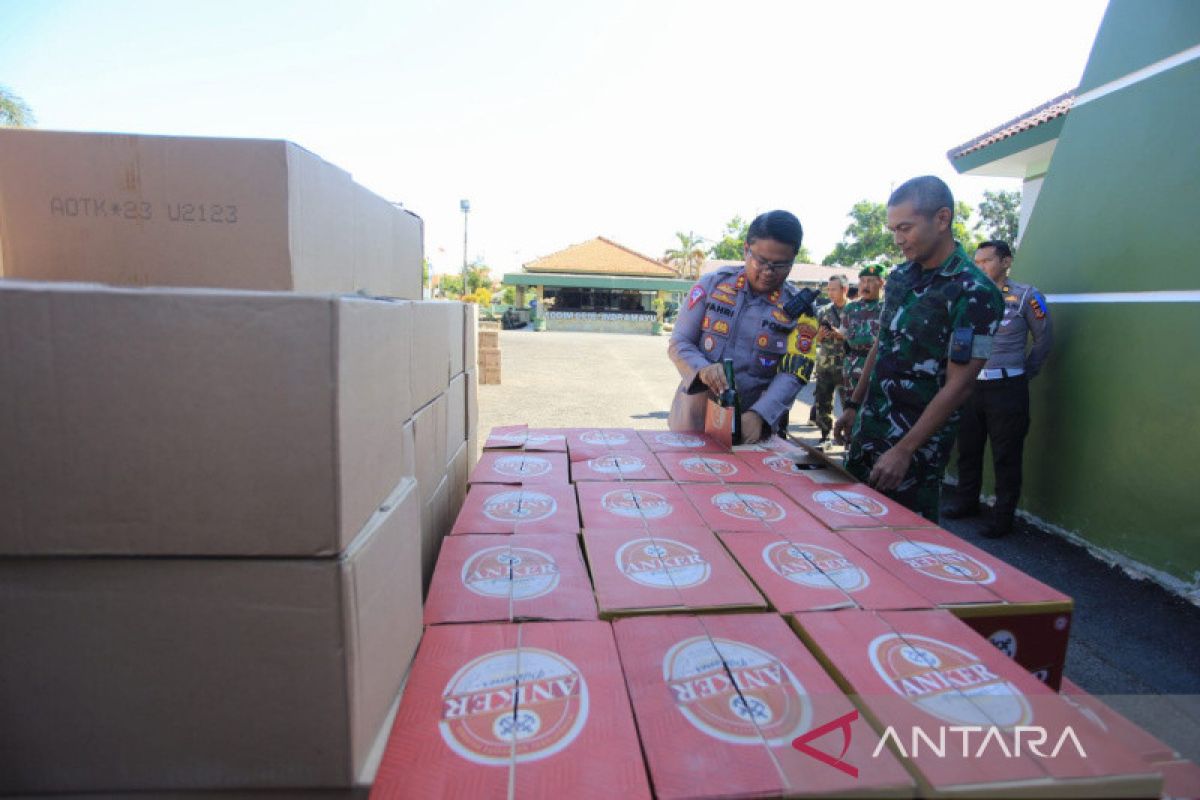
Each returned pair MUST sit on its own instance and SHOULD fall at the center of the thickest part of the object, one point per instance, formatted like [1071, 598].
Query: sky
[561, 121]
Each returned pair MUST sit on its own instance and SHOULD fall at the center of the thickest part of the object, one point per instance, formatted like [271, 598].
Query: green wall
[1114, 451]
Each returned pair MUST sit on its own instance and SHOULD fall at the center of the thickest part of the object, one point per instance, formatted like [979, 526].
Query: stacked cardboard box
[214, 503]
[489, 356]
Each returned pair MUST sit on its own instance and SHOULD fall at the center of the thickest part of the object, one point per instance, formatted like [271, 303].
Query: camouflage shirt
[861, 325]
[831, 350]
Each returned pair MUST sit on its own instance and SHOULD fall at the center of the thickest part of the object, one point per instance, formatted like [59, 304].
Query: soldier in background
[999, 407]
[861, 317]
[831, 353]
[935, 334]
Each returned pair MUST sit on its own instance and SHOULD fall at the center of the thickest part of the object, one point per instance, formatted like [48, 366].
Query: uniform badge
[1039, 310]
[721, 297]
[709, 344]
[707, 322]
[768, 361]
[726, 287]
[780, 316]
[695, 296]
[721, 327]
[763, 340]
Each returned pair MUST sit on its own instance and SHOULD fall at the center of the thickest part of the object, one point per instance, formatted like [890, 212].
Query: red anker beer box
[708, 468]
[782, 469]
[644, 505]
[1142, 742]
[815, 571]
[967, 719]
[638, 572]
[522, 437]
[602, 464]
[528, 710]
[528, 468]
[526, 576]
[720, 699]
[748, 507]
[624, 440]
[672, 442]
[1021, 616]
[852, 505]
[540, 508]
[1181, 780]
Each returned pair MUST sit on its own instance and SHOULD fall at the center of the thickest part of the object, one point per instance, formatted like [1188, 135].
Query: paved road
[1130, 639]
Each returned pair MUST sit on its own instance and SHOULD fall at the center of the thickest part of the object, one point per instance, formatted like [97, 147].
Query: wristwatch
[852, 404]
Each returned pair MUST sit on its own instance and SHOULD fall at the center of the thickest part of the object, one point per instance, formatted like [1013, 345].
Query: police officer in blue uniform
[999, 407]
[738, 313]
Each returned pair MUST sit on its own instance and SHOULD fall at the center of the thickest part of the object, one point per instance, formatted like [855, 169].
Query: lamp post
[465, 205]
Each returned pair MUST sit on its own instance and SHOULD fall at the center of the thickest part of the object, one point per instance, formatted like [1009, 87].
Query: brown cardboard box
[470, 336]
[490, 376]
[489, 358]
[472, 381]
[456, 414]
[167, 673]
[429, 429]
[489, 340]
[433, 351]
[196, 422]
[187, 211]
[435, 522]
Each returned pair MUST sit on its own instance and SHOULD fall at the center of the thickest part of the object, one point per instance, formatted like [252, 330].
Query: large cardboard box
[153, 674]
[429, 431]
[456, 414]
[185, 211]
[498, 466]
[1021, 616]
[526, 576]
[817, 570]
[802, 468]
[748, 507]
[434, 351]
[436, 518]
[539, 508]
[636, 506]
[195, 422]
[962, 715]
[852, 505]
[522, 437]
[641, 572]
[720, 699]
[708, 468]
[602, 464]
[529, 710]
[672, 442]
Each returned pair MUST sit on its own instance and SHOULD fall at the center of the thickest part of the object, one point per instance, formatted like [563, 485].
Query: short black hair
[927, 193]
[782, 226]
[1002, 249]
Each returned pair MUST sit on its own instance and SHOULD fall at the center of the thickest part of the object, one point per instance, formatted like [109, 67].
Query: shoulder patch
[695, 296]
[1038, 305]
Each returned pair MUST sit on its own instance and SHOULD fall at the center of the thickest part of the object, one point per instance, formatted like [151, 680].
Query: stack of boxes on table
[489, 352]
[751, 622]
[214, 502]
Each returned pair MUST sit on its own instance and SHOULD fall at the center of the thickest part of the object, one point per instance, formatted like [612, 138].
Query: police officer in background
[935, 334]
[738, 313]
[999, 407]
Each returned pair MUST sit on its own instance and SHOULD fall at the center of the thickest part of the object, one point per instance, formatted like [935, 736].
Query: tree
[866, 240]
[424, 273]
[509, 296]
[450, 285]
[478, 275]
[999, 215]
[688, 257]
[733, 243]
[965, 235]
[14, 112]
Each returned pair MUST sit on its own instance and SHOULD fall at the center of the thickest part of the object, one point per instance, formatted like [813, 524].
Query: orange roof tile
[601, 256]
[1051, 109]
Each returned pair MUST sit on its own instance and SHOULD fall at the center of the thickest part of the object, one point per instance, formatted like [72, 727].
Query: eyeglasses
[773, 266]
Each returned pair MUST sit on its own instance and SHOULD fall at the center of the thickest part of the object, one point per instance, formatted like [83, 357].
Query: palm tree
[688, 257]
[14, 112]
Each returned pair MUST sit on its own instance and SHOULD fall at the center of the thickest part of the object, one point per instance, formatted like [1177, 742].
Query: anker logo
[942, 563]
[743, 505]
[519, 506]
[662, 563]
[850, 503]
[523, 571]
[636, 503]
[815, 567]
[521, 466]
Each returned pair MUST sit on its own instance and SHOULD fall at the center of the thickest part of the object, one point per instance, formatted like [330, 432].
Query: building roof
[552, 280]
[1050, 110]
[801, 273]
[601, 256]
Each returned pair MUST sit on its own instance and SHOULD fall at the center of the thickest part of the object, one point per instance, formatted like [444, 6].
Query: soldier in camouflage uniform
[861, 318]
[831, 353]
[936, 331]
